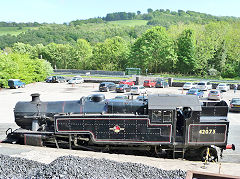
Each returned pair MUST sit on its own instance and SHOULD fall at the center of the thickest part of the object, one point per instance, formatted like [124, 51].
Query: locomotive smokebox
[35, 97]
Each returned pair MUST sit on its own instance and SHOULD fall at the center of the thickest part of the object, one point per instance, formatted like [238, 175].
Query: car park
[223, 87]
[196, 92]
[123, 88]
[107, 86]
[138, 89]
[215, 95]
[234, 105]
[189, 85]
[76, 80]
[162, 84]
[149, 83]
[15, 83]
[128, 82]
[58, 79]
[204, 85]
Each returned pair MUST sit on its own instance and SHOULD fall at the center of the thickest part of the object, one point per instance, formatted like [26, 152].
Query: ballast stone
[77, 167]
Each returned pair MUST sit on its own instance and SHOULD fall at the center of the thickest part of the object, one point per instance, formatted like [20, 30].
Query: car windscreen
[214, 92]
[188, 83]
[236, 101]
[221, 85]
[102, 84]
[192, 90]
[120, 86]
[201, 83]
[134, 87]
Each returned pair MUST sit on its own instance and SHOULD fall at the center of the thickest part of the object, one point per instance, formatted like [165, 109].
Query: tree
[220, 56]
[83, 51]
[149, 10]
[110, 55]
[187, 63]
[154, 51]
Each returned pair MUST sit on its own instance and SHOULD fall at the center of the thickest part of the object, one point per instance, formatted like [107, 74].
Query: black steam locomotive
[171, 124]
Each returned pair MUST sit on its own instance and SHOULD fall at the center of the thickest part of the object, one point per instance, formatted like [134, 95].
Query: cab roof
[173, 101]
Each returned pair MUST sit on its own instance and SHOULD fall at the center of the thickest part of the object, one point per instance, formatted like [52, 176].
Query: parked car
[142, 98]
[121, 97]
[194, 91]
[123, 88]
[58, 79]
[189, 85]
[162, 84]
[138, 89]
[204, 85]
[48, 79]
[223, 87]
[149, 83]
[76, 80]
[128, 82]
[215, 95]
[15, 83]
[107, 86]
[234, 105]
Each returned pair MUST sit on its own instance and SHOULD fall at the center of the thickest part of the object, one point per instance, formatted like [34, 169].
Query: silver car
[189, 85]
[215, 95]
[223, 87]
[137, 89]
[76, 80]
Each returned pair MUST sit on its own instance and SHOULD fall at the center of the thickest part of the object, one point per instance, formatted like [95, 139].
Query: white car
[204, 85]
[189, 85]
[215, 95]
[223, 87]
[76, 80]
[137, 89]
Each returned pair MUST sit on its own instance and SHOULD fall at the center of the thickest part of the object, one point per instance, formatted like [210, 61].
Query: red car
[128, 82]
[149, 83]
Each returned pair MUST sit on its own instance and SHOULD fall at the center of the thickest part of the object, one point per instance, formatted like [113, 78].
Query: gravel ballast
[76, 167]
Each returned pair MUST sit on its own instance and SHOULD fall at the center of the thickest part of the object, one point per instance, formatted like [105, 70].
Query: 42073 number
[207, 131]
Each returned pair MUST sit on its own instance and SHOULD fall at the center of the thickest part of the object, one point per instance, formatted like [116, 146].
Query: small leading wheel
[210, 156]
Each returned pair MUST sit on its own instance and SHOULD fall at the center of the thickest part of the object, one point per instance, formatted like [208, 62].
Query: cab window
[162, 116]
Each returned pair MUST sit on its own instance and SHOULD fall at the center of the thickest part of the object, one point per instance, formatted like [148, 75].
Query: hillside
[14, 30]
[129, 22]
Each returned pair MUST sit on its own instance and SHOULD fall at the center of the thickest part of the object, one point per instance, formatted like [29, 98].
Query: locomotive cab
[174, 110]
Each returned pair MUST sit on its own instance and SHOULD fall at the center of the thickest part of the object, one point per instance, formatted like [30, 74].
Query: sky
[60, 11]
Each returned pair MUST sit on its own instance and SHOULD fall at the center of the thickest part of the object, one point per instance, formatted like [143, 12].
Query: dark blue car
[16, 83]
[196, 92]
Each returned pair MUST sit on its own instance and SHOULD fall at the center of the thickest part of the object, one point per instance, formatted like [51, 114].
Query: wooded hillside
[172, 42]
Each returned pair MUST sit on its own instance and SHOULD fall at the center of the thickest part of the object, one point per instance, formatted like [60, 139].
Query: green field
[13, 30]
[129, 22]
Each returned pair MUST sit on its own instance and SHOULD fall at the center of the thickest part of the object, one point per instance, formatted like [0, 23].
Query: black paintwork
[128, 122]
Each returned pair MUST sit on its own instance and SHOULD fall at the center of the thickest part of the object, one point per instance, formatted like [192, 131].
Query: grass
[14, 30]
[129, 22]
[100, 77]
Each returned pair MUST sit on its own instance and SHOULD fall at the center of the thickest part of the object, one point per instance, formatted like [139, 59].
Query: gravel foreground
[77, 167]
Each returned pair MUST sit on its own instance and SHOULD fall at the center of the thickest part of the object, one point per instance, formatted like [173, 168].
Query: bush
[229, 72]
[19, 66]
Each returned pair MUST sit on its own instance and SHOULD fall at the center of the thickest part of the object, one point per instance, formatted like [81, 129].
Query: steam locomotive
[171, 124]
